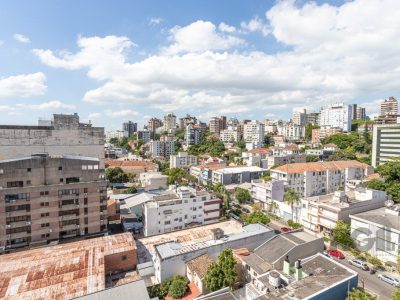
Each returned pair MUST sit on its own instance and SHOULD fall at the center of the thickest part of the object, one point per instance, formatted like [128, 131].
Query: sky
[114, 61]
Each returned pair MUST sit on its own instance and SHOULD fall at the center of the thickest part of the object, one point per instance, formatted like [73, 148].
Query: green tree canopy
[396, 294]
[359, 294]
[175, 175]
[221, 273]
[341, 234]
[130, 190]
[208, 145]
[312, 158]
[178, 287]
[116, 175]
[242, 195]
[257, 217]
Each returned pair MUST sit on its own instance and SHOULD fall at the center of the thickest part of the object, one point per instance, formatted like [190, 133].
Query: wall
[116, 262]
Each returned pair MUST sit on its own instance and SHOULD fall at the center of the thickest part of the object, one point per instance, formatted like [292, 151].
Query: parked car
[236, 205]
[247, 211]
[335, 253]
[359, 264]
[286, 229]
[389, 279]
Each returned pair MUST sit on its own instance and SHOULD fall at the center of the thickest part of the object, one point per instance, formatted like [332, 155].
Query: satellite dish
[389, 203]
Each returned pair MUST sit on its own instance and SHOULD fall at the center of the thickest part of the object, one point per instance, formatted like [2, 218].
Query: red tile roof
[320, 166]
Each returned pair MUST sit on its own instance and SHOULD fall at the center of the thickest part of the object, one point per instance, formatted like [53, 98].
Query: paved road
[372, 283]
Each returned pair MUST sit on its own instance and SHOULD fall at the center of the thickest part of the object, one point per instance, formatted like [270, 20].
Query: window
[28, 182]
[45, 224]
[61, 180]
[29, 169]
[204, 198]
[185, 217]
[123, 257]
[44, 214]
[85, 190]
[167, 222]
[86, 210]
[44, 193]
[85, 201]
[12, 184]
[44, 203]
[45, 235]
[1, 171]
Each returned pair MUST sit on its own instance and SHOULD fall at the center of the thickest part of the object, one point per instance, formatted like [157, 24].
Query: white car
[389, 279]
[359, 264]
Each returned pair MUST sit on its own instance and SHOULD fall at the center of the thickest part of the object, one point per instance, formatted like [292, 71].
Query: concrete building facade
[385, 143]
[236, 175]
[337, 115]
[45, 198]
[65, 136]
[182, 160]
[253, 134]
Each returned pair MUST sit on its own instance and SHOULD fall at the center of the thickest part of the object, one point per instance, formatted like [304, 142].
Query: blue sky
[130, 60]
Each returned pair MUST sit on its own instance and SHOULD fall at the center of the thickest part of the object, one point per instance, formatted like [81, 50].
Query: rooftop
[191, 239]
[382, 216]
[129, 163]
[320, 166]
[200, 265]
[62, 271]
[240, 169]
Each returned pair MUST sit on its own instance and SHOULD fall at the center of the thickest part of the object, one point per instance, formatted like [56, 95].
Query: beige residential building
[317, 178]
[182, 160]
[46, 198]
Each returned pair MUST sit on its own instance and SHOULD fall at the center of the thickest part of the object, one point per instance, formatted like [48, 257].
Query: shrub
[294, 225]
[178, 287]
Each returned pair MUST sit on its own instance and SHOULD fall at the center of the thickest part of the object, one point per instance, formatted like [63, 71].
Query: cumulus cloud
[332, 53]
[226, 28]
[256, 25]
[200, 36]
[21, 38]
[25, 85]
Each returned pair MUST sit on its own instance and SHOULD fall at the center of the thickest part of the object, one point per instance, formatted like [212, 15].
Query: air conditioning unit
[8, 226]
[28, 223]
[77, 226]
[50, 230]
[85, 194]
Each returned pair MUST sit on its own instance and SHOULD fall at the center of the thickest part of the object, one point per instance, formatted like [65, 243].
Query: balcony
[69, 227]
[69, 206]
[68, 217]
[19, 235]
[17, 213]
[18, 224]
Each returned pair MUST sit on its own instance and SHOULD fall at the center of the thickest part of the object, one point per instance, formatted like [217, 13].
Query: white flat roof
[239, 170]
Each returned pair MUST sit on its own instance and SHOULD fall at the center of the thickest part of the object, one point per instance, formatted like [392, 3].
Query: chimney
[286, 265]
[298, 270]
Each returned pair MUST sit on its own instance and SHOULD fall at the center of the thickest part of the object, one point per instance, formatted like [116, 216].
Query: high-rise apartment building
[65, 136]
[253, 134]
[292, 132]
[337, 115]
[170, 122]
[313, 118]
[183, 122]
[389, 107]
[162, 148]
[182, 160]
[385, 143]
[129, 127]
[46, 198]
[360, 113]
[216, 124]
[153, 124]
[300, 117]
[229, 135]
[192, 135]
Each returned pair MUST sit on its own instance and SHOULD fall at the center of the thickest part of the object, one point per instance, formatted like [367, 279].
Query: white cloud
[25, 85]
[21, 38]
[50, 105]
[347, 53]
[94, 115]
[200, 36]
[256, 25]
[226, 28]
[155, 21]
[121, 113]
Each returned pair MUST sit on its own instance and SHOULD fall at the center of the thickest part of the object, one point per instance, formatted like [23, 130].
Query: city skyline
[136, 61]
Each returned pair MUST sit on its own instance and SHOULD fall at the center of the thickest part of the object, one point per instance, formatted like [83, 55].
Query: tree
[257, 217]
[292, 198]
[116, 175]
[308, 133]
[175, 175]
[178, 286]
[312, 158]
[242, 195]
[359, 294]
[341, 234]
[221, 273]
[130, 190]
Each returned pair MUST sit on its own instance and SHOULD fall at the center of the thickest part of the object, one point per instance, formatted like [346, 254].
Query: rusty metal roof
[62, 271]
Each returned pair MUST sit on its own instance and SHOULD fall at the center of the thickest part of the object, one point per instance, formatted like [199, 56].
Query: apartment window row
[90, 167]
[44, 193]
[21, 196]
[26, 207]
[18, 230]
[18, 219]
[68, 192]
[13, 184]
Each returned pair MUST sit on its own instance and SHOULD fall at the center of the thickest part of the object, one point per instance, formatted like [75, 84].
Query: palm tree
[292, 198]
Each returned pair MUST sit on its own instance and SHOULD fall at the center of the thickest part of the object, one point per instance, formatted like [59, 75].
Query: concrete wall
[20, 141]
[125, 261]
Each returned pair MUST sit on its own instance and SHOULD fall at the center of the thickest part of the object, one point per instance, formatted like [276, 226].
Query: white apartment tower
[253, 134]
[337, 115]
[170, 122]
[385, 143]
